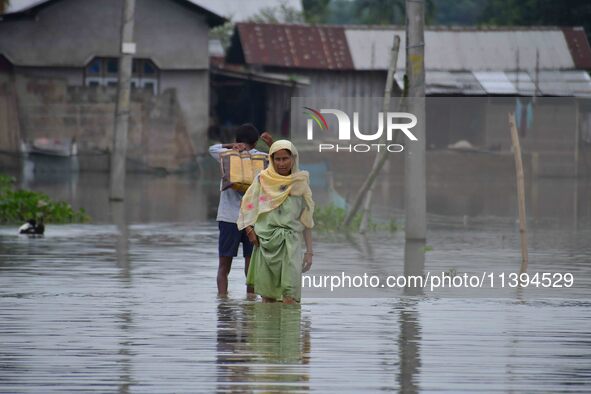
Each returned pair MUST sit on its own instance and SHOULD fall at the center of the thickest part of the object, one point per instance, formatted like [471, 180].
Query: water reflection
[409, 349]
[132, 307]
[262, 345]
[232, 360]
[125, 316]
[414, 264]
[118, 216]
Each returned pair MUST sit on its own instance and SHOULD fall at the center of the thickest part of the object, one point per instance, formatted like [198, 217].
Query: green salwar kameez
[276, 264]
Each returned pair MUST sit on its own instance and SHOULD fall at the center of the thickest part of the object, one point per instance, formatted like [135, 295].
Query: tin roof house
[59, 70]
[519, 61]
[499, 65]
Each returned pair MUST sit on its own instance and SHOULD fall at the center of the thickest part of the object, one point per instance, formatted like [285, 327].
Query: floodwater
[128, 303]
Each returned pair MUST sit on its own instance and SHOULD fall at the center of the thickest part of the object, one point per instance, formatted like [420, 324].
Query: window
[102, 71]
[94, 67]
[112, 66]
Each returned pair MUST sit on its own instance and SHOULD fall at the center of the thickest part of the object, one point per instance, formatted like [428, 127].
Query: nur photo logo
[402, 121]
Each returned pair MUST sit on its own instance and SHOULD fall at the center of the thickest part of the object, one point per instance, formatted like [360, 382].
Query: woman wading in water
[276, 213]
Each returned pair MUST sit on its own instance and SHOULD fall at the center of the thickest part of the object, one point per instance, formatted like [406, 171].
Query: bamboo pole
[520, 192]
[378, 162]
[367, 188]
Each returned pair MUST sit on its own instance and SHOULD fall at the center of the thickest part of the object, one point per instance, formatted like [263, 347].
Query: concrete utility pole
[415, 188]
[367, 188]
[119, 148]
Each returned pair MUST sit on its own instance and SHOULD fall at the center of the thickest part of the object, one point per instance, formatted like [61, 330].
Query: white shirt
[230, 199]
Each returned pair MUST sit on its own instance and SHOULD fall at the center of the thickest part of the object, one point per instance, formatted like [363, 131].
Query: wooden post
[415, 184]
[520, 192]
[119, 148]
[367, 188]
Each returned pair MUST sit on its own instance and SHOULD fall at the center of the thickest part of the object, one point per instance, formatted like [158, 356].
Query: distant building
[59, 65]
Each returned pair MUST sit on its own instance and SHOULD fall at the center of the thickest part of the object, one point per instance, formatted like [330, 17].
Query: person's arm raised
[266, 137]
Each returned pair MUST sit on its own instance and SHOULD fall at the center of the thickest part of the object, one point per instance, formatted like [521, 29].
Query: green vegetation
[4, 6]
[451, 273]
[329, 218]
[453, 12]
[427, 248]
[17, 206]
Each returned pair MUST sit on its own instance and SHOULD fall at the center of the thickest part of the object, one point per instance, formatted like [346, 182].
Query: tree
[281, 13]
[316, 11]
[367, 12]
[4, 6]
[538, 12]
[458, 12]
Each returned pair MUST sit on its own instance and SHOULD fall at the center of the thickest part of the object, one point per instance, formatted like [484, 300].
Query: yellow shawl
[269, 190]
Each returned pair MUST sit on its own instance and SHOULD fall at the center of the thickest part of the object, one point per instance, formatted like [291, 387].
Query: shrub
[17, 206]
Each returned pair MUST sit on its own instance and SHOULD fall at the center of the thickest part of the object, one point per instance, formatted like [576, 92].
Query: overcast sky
[237, 10]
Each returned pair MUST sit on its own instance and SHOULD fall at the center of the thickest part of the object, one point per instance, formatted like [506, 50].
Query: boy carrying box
[229, 206]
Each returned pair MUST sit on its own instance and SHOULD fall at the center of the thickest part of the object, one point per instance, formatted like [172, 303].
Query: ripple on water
[90, 308]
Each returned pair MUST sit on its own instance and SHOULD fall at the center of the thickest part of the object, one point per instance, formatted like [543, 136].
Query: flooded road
[128, 304]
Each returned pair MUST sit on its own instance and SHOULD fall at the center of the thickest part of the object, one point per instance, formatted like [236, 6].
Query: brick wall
[157, 137]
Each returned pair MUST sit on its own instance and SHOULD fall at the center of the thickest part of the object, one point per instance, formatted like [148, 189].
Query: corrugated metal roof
[523, 82]
[565, 83]
[332, 47]
[551, 83]
[295, 46]
[28, 9]
[241, 72]
[579, 46]
[458, 61]
[465, 50]
[495, 82]
[454, 83]
[579, 82]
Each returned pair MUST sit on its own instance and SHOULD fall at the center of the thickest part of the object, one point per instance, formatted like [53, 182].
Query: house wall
[551, 140]
[9, 124]
[74, 76]
[69, 33]
[278, 107]
[344, 84]
[336, 85]
[157, 137]
[192, 93]
[448, 123]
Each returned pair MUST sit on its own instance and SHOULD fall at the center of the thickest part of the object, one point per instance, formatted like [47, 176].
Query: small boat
[47, 155]
[59, 147]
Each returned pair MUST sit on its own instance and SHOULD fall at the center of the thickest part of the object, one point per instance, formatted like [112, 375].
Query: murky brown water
[129, 305]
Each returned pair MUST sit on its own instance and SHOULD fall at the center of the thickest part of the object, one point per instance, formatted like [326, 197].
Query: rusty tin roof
[297, 46]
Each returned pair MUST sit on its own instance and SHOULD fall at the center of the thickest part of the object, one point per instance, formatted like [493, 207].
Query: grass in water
[329, 218]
